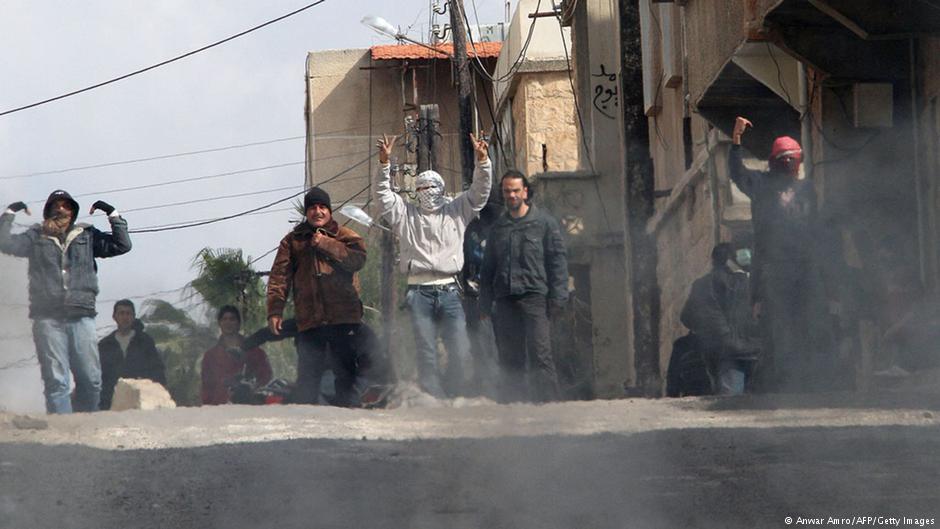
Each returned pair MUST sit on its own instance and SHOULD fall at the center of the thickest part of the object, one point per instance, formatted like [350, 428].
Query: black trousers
[523, 338]
[313, 345]
[801, 358]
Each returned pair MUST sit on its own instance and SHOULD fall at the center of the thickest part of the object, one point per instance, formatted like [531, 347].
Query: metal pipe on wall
[806, 123]
[922, 243]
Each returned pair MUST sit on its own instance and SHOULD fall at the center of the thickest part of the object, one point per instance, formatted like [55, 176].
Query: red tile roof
[414, 51]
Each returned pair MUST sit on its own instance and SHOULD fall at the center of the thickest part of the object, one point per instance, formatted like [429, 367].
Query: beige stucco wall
[713, 31]
[339, 117]
[684, 247]
[340, 110]
[544, 113]
[546, 42]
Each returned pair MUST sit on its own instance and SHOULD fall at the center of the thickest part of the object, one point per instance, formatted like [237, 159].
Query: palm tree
[182, 341]
[225, 277]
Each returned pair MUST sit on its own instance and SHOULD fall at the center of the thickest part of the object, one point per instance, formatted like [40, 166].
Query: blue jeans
[438, 312]
[733, 375]
[63, 347]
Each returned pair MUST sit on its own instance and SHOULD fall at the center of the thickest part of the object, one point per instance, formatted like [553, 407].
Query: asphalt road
[607, 464]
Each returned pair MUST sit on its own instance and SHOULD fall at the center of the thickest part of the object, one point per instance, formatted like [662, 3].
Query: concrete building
[534, 103]
[857, 82]
[356, 95]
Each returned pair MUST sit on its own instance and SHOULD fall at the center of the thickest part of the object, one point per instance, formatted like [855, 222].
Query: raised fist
[740, 125]
[19, 206]
[103, 206]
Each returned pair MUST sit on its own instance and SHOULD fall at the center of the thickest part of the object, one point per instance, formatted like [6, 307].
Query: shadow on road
[722, 477]
[881, 400]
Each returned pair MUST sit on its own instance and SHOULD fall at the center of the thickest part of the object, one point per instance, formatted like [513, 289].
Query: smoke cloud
[20, 381]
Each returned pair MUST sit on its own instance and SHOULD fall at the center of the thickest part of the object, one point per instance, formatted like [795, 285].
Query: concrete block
[140, 394]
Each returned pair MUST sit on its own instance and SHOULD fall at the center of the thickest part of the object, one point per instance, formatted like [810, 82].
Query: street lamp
[382, 27]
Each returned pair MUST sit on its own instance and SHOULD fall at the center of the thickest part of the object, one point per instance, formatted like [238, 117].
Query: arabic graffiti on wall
[606, 93]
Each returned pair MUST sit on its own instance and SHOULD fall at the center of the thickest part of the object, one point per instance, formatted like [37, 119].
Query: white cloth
[124, 340]
[432, 197]
[432, 242]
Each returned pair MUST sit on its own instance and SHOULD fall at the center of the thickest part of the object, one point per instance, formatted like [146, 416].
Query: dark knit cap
[317, 196]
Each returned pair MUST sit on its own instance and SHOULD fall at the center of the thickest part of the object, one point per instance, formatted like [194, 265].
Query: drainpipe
[806, 124]
[922, 243]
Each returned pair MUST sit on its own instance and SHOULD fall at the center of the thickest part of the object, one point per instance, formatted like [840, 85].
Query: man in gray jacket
[63, 285]
[525, 272]
[431, 254]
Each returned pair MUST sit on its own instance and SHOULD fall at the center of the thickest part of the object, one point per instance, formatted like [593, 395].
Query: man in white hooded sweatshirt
[431, 254]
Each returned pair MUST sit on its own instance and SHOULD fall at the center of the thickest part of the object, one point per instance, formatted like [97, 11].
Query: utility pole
[640, 208]
[388, 295]
[464, 90]
[429, 138]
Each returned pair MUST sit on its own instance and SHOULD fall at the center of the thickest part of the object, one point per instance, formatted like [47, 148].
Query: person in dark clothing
[525, 274]
[689, 373]
[788, 286]
[318, 261]
[63, 285]
[372, 366]
[480, 330]
[128, 352]
[229, 363]
[718, 312]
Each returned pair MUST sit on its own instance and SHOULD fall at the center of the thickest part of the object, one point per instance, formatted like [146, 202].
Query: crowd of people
[483, 284]
[484, 279]
[762, 321]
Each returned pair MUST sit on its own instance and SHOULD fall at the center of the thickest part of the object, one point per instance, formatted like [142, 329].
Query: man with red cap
[788, 281]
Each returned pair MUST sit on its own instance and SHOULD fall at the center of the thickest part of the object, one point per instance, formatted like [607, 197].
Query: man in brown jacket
[318, 260]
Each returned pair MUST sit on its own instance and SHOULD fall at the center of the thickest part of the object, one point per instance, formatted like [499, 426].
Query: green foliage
[182, 341]
[225, 277]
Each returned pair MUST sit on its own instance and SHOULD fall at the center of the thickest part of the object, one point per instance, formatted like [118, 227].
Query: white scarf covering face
[432, 198]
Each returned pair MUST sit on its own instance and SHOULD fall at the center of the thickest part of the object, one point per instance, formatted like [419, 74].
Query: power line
[141, 296]
[281, 210]
[246, 212]
[148, 159]
[517, 63]
[251, 262]
[199, 178]
[210, 199]
[173, 182]
[262, 256]
[182, 154]
[162, 63]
